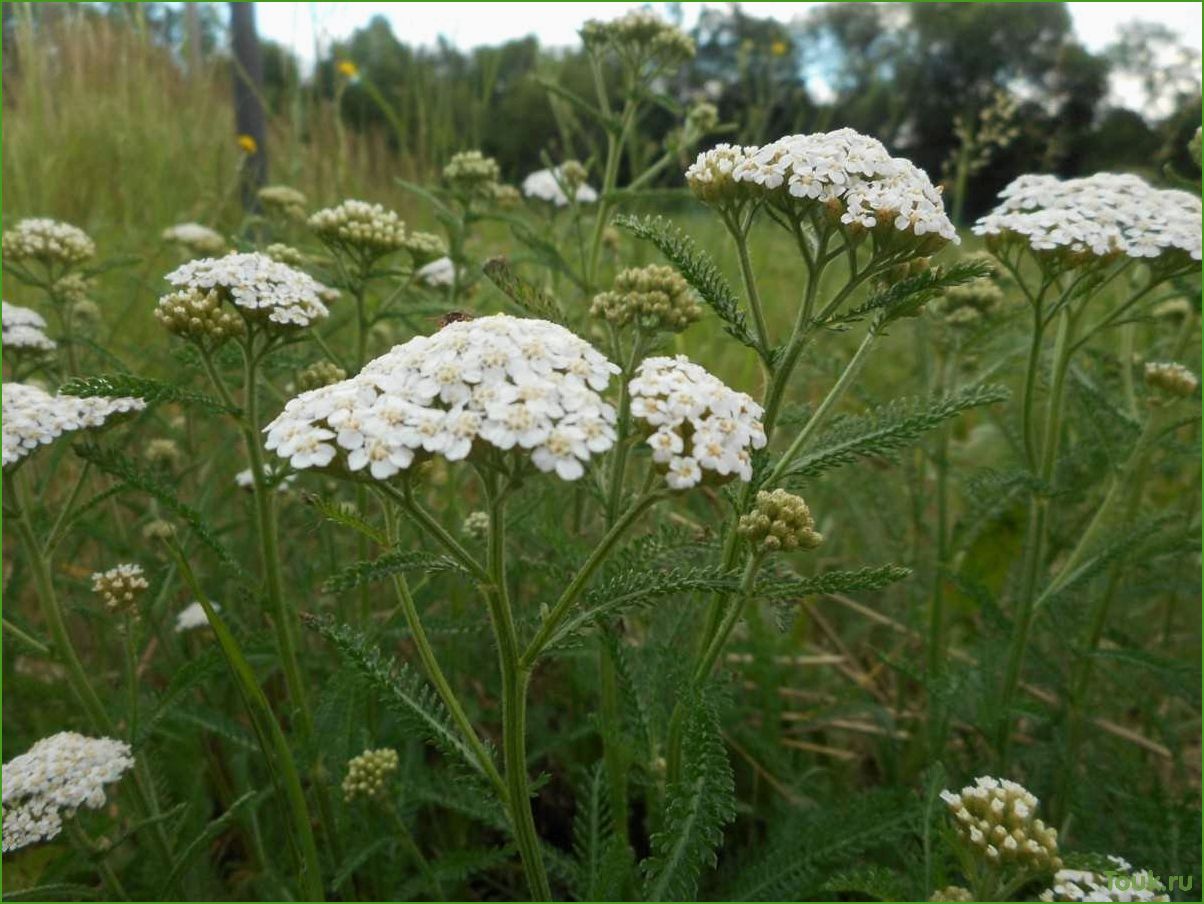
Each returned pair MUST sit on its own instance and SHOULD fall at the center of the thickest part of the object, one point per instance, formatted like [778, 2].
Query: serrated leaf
[908, 295]
[889, 428]
[192, 674]
[868, 578]
[698, 268]
[697, 807]
[530, 298]
[346, 515]
[398, 687]
[110, 386]
[391, 563]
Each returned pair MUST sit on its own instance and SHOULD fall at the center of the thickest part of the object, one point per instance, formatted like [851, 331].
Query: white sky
[307, 26]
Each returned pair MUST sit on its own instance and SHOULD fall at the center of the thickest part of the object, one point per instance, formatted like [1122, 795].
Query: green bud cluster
[283, 201]
[640, 35]
[285, 254]
[473, 174]
[120, 588]
[368, 773]
[198, 316]
[952, 893]
[702, 118]
[47, 241]
[506, 196]
[164, 453]
[424, 247]
[359, 227]
[655, 297]
[318, 374]
[780, 520]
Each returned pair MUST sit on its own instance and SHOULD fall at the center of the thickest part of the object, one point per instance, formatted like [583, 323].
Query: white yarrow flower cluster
[258, 286]
[53, 779]
[546, 185]
[698, 424]
[193, 616]
[24, 328]
[246, 481]
[507, 382]
[1098, 216]
[48, 241]
[1086, 885]
[195, 237]
[998, 818]
[439, 272]
[850, 173]
[33, 417]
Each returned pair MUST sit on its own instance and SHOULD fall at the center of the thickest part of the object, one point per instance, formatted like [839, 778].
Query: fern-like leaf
[601, 857]
[110, 386]
[698, 268]
[346, 515]
[697, 807]
[397, 687]
[832, 582]
[530, 298]
[192, 674]
[887, 429]
[908, 295]
[125, 470]
[391, 563]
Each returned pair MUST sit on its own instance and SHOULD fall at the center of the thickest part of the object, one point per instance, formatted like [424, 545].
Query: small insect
[454, 317]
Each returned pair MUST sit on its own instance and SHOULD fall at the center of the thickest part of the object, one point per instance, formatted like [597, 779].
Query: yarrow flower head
[48, 242]
[472, 174]
[359, 228]
[779, 521]
[639, 36]
[283, 201]
[163, 453]
[120, 588]
[1171, 378]
[260, 288]
[33, 417]
[1120, 883]
[476, 525]
[439, 272]
[196, 238]
[712, 177]
[193, 616]
[24, 330]
[285, 254]
[53, 779]
[998, 819]
[653, 297]
[851, 176]
[493, 382]
[559, 184]
[1080, 221]
[369, 773]
[952, 893]
[696, 423]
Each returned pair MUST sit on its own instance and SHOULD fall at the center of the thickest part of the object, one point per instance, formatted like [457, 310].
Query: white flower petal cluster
[245, 481]
[1086, 885]
[120, 587]
[1101, 215]
[850, 173]
[998, 818]
[545, 185]
[48, 241]
[711, 177]
[439, 272]
[1171, 378]
[33, 417]
[24, 328]
[195, 237]
[505, 381]
[257, 285]
[53, 779]
[193, 616]
[697, 423]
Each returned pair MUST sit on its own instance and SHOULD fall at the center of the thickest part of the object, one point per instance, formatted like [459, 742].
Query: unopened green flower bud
[359, 228]
[779, 521]
[368, 773]
[320, 373]
[283, 201]
[506, 196]
[198, 316]
[285, 254]
[654, 297]
[424, 247]
[472, 174]
[164, 453]
[702, 118]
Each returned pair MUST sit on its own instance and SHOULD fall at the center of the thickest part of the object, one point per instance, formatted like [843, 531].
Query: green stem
[514, 706]
[410, 844]
[1037, 530]
[275, 746]
[435, 673]
[740, 237]
[569, 596]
